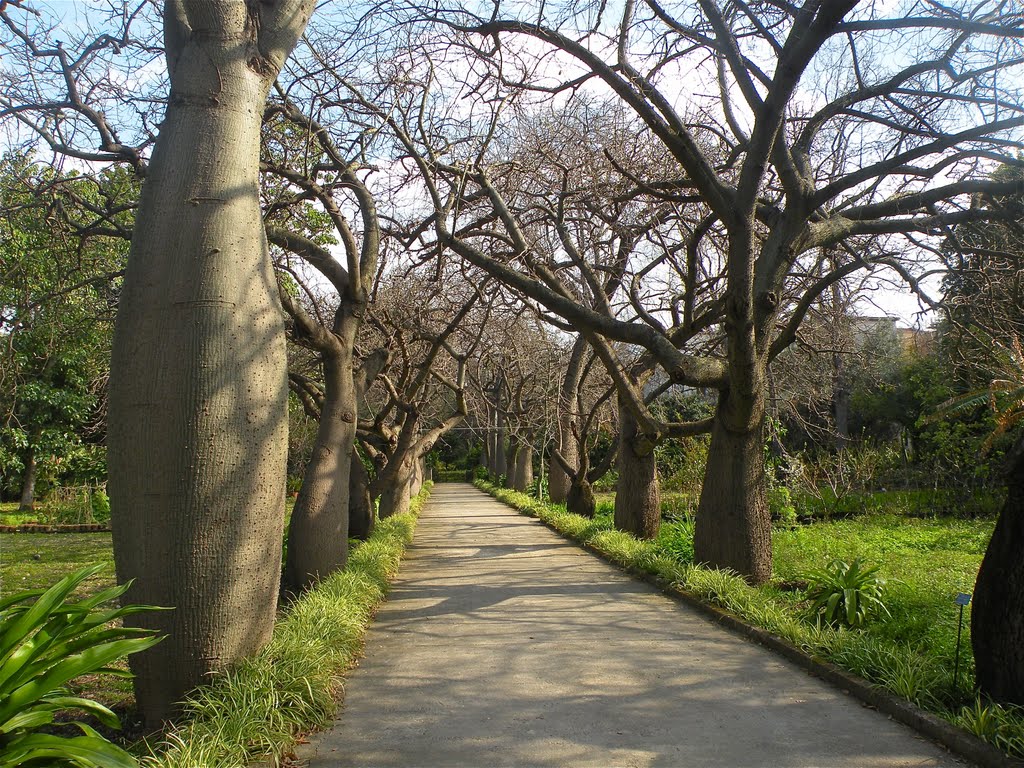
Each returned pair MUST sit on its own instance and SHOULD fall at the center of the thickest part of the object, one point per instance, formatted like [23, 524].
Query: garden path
[502, 644]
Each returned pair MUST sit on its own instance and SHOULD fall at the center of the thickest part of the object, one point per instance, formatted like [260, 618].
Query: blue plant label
[963, 598]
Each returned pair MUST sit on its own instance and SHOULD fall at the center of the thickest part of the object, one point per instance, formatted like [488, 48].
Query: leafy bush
[780, 503]
[46, 640]
[100, 505]
[675, 539]
[1002, 726]
[845, 593]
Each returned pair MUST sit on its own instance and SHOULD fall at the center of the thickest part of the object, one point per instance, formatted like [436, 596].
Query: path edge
[958, 741]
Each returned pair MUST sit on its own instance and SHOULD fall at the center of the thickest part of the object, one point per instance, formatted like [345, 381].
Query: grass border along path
[822, 651]
[259, 708]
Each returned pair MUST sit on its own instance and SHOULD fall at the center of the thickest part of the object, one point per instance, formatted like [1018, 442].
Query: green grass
[259, 708]
[33, 560]
[926, 562]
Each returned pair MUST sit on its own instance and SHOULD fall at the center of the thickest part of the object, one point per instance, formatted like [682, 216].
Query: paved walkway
[503, 645]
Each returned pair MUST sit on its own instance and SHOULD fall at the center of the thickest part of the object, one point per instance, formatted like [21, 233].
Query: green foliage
[259, 707]
[845, 592]
[675, 539]
[56, 301]
[681, 463]
[100, 505]
[1000, 725]
[780, 503]
[47, 640]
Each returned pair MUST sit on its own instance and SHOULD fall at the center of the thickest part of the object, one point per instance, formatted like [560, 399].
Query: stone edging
[956, 740]
[39, 528]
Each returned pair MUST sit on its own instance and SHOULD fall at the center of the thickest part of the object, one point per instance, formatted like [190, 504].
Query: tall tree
[198, 395]
[801, 150]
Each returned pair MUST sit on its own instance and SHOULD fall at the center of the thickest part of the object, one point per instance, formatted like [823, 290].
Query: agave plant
[845, 593]
[46, 640]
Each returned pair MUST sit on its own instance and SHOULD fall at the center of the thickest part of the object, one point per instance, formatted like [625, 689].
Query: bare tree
[815, 139]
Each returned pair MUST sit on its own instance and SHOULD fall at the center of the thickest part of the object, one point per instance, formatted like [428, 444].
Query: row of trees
[672, 187]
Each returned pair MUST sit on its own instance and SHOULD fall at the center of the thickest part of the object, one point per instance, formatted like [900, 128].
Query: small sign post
[962, 599]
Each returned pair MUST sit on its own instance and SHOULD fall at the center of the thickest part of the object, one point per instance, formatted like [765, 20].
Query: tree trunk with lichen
[197, 434]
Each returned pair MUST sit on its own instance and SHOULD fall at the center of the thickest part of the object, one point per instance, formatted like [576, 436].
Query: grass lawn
[926, 562]
[33, 560]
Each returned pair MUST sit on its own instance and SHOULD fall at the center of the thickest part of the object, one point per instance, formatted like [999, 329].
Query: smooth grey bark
[558, 480]
[524, 465]
[637, 496]
[512, 460]
[27, 501]
[416, 481]
[500, 455]
[733, 528]
[197, 428]
[319, 526]
[395, 495]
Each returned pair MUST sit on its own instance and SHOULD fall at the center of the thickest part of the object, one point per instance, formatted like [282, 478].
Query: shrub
[845, 593]
[780, 503]
[100, 505]
[46, 640]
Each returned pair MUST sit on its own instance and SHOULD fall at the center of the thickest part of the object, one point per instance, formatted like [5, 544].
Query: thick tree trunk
[637, 498]
[361, 515]
[28, 482]
[558, 480]
[997, 617]
[394, 496]
[492, 444]
[524, 466]
[500, 456]
[580, 499]
[198, 421]
[513, 465]
[733, 528]
[318, 530]
[416, 481]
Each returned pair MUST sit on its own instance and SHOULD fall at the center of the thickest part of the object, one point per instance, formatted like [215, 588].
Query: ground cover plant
[910, 652]
[260, 707]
